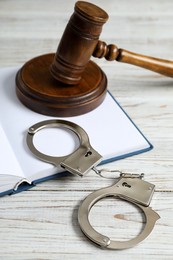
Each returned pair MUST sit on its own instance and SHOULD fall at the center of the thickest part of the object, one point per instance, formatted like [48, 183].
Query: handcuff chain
[121, 174]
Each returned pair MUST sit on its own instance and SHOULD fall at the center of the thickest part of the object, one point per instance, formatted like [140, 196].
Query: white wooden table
[41, 223]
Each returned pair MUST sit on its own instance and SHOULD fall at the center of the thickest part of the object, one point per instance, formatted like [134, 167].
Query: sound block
[38, 90]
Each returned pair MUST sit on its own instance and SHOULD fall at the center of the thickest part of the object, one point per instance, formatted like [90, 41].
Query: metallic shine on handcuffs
[129, 187]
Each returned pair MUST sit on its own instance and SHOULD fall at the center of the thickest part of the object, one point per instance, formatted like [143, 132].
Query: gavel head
[78, 42]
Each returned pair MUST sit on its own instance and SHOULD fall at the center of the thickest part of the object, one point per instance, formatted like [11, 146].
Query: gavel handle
[111, 52]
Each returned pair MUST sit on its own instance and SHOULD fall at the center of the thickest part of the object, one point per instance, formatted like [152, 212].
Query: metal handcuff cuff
[129, 187]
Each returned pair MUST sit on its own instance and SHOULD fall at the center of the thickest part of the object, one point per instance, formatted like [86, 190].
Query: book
[111, 132]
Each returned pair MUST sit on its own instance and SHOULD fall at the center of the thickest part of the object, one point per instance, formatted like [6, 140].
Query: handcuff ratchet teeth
[80, 161]
[130, 188]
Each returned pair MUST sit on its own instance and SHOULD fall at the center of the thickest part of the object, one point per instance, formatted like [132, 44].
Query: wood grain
[42, 223]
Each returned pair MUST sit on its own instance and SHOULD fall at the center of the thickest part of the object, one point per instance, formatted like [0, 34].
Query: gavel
[67, 83]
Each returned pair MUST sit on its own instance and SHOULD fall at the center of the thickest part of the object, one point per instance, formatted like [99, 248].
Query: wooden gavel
[68, 83]
[80, 41]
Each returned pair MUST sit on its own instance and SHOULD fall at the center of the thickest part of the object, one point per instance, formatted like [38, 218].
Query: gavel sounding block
[39, 91]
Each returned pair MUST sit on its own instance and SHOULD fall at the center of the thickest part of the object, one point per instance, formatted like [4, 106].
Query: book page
[8, 162]
[110, 131]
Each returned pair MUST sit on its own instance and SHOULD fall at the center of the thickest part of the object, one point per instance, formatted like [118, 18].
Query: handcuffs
[129, 187]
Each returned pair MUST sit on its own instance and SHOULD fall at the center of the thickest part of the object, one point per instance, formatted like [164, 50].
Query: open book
[111, 132]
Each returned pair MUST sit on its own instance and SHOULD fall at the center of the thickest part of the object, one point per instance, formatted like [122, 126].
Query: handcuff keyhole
[88, 153]
[126, 185]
